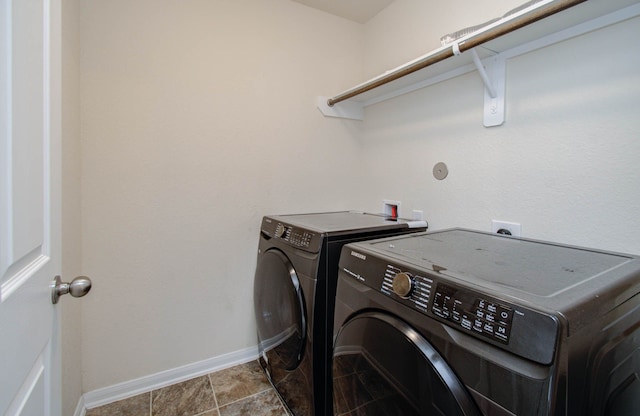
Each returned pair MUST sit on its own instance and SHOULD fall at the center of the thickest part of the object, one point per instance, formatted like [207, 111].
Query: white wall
[71, 309]
[564, 164]
[198, 117]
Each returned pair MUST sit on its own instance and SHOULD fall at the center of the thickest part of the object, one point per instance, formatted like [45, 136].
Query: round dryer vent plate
[440, 171]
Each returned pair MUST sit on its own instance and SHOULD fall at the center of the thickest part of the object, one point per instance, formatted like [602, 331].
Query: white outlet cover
[514, 227]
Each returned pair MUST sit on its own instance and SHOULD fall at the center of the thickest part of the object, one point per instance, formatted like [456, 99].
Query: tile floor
[239, 390]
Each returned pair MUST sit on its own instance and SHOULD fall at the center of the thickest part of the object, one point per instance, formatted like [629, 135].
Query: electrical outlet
[507, 228]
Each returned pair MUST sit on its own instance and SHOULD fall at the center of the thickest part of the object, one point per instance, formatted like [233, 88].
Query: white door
[29, 206]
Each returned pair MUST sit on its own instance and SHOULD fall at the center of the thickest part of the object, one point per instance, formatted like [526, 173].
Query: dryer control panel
[292, 235]
[513, 327]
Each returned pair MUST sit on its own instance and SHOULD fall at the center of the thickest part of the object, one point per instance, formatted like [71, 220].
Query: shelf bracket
[493, 72]
[346, 109]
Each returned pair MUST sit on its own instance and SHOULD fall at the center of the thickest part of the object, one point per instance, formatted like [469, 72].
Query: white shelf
[517, 34]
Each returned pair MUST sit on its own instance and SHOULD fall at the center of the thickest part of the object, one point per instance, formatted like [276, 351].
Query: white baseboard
[81, 409]
[120, 391]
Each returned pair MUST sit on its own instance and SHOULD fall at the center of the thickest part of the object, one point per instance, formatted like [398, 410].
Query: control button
[490, 317]
[480, 314]
[504, 316]
[492, 308]
[487, 327]
[477, 326]
[482, 304]
[402, 285]
[501, 334]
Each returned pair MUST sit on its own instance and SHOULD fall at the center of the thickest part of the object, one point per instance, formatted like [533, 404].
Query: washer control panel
[461, 307]
[517, 328]
[473, 313]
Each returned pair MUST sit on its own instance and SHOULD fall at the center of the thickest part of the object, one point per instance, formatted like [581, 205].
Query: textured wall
[564, 164]
[198, 117]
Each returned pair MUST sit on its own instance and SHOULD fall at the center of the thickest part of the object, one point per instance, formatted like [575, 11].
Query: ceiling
[357, 10]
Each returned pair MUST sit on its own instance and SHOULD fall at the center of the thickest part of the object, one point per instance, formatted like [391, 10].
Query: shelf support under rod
[483, 73]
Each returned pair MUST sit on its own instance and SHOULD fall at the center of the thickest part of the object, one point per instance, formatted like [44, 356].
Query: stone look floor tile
[133, 406]
[188, 398]
[240, 390]
[261, 404]
[238, 382]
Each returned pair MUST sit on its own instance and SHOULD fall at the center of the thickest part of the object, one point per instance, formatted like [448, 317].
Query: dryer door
[383, 366]
[279, 309]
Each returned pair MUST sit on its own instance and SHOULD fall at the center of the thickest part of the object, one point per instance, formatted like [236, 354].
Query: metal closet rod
[469, 43]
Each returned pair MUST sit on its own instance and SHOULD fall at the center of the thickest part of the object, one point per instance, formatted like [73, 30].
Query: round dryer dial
[402, 284]
[280, 231]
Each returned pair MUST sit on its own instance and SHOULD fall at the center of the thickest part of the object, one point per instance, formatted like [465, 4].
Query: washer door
[383, 366]
[279, 309]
